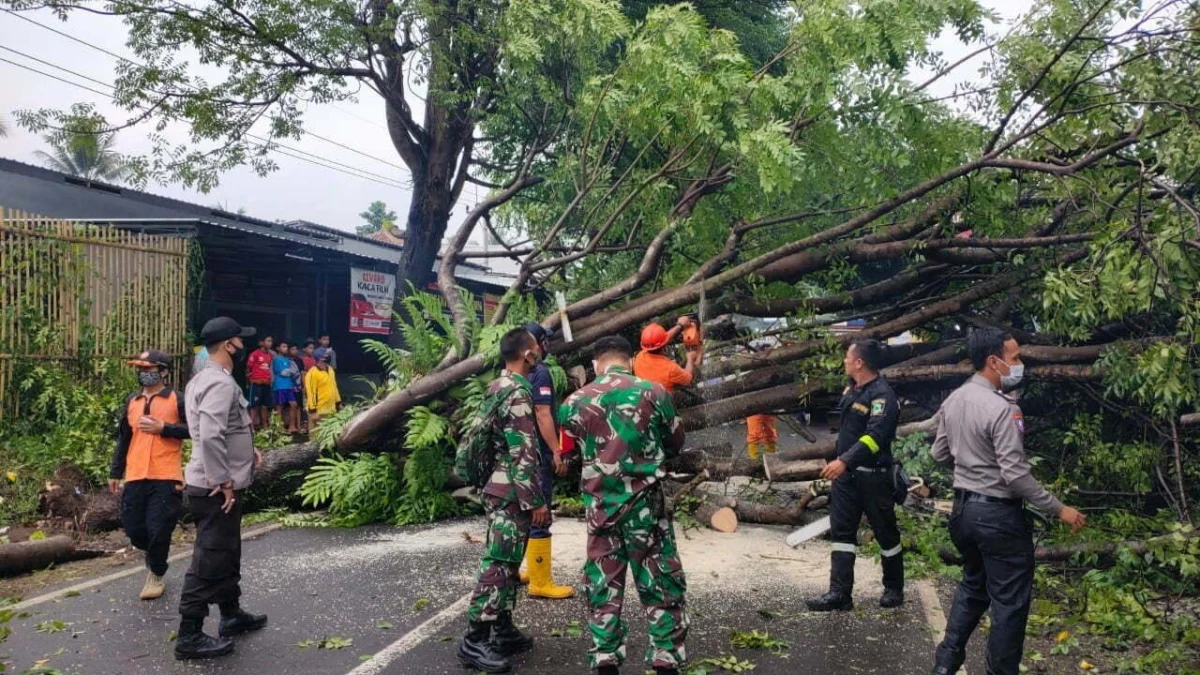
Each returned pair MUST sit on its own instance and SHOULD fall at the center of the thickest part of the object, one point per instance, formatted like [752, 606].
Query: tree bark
[27, 556]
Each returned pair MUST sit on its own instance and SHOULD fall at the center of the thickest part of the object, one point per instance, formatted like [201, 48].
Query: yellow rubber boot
[752, 450]
[541, 582]
[528, 563]
[771, 448]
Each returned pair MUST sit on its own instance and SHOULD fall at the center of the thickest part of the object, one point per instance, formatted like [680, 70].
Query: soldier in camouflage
[626, 428]
[513, 501]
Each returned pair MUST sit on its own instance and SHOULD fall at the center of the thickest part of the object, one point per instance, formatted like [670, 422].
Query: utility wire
[114, 55]
[261, 142]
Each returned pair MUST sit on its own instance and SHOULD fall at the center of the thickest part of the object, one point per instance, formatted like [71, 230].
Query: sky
[365, 167]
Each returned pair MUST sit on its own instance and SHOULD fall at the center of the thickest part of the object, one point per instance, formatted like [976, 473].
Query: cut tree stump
[719, 518]
[27, 556]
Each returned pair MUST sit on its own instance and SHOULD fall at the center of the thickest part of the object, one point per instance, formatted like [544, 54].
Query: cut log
[762, 514]
[27, 556]
[719, 518]
[697, 460]
[827, 450]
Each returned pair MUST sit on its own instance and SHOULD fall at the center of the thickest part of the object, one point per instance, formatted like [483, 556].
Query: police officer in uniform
[981, 433]
[220, 469]
[862, 480]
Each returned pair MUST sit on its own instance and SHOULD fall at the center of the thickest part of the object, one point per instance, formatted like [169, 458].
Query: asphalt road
[399, 595]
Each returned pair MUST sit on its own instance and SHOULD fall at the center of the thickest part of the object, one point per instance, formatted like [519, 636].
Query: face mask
[149, 379]
[1016, 371]
[238, 354]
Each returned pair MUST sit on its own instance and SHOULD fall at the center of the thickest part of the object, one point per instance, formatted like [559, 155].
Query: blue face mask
[1016, 373]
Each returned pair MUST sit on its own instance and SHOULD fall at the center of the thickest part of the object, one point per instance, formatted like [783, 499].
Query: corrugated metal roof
[49, 193]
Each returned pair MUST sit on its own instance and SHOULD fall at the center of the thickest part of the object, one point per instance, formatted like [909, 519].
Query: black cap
[539, 332]
[221, 329]
[151, 358]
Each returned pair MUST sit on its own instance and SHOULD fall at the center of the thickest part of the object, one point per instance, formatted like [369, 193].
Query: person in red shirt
[654, 365]
[258, 372]
[149, 459]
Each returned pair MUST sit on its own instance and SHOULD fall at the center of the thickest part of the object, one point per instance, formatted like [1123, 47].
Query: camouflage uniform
[626, 428]
[509, 497]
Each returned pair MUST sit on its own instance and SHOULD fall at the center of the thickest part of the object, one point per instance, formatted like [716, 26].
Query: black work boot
[833, 600]
[666, 670]
[507, 638]
[892, 597]
[193, 643]
[238, 621]
[608, 669]
[477, 651]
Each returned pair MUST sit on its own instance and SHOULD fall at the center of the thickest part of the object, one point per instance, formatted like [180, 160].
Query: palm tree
[81, 149]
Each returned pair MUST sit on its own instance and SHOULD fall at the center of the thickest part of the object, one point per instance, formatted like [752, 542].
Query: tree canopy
[82, 147]
[377, 216]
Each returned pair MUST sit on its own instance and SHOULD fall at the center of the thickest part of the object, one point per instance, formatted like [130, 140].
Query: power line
[114, 55]
[269, 145]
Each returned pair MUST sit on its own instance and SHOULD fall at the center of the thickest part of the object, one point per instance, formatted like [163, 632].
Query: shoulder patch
[545, 391]
[1019, 420]
[878, 406]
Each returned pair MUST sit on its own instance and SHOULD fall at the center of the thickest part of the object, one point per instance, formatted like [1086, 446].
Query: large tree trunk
[27, 556]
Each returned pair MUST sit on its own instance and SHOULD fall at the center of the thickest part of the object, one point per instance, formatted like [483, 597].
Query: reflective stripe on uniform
[894, 551]
[843, 548]
[869, 442]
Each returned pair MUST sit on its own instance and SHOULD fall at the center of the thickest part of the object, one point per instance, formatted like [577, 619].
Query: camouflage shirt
[625, 428]
[515, 478]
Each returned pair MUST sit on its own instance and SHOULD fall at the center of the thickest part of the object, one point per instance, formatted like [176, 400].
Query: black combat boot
[507, 638]
[608, 669]
[833, 600]
[892, 597]
[193, 643]
[477, 651]
[666, 670]
[235, 621]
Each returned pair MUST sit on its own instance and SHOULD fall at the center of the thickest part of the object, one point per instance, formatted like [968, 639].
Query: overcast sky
[298, 189]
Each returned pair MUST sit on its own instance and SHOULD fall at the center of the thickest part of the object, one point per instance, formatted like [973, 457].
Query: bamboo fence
[77, 293]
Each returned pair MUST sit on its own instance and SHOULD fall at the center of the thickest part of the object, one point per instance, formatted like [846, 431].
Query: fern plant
[358, 490]
[425, 500]
[326, 433]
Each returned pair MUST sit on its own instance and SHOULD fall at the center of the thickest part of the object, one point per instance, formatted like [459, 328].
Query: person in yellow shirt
[320, 389]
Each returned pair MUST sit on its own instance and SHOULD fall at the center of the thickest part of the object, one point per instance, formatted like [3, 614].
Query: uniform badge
[877, 406]
[1019, 420]
[859, 407]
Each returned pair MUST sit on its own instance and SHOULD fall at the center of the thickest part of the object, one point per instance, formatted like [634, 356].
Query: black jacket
[868, 425]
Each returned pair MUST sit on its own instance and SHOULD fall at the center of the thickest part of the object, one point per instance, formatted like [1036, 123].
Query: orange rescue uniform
[143, 456]
[657, 367]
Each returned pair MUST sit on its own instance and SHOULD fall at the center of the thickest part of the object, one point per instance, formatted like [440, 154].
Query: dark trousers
[996, 544]
[546, 481]
[856, 493]
[216, 566]
[149, 511]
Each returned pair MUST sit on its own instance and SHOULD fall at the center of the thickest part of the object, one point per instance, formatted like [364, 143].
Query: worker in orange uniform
[654, 365]
[760, 435]
[149, 459]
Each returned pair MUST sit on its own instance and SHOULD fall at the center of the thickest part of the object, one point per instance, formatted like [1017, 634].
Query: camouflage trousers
[643, 539]
[508, 530]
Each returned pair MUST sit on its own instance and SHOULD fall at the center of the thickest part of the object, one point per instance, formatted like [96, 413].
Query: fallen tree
[27, 556]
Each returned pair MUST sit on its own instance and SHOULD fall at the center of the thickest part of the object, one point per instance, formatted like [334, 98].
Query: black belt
[968, 496]
[873, 469]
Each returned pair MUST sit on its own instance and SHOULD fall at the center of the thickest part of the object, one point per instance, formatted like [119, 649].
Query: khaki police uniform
[981, 433]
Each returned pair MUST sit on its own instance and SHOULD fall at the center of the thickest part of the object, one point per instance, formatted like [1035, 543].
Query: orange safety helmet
[654, 337]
